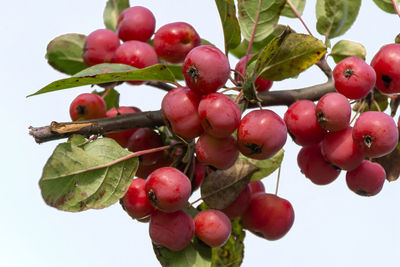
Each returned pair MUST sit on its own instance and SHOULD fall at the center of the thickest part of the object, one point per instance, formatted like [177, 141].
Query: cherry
[385, 64]
[219, 114]
[212, 227]
[313, 165]
[87, 107]
[164, 161]
[256, 186]
[302, 123]
[199, 174]
[174, 41]
[168, 189]
[206, 69]
[367, 179]
[239, 206]
[136, 23]
[221, 153]
[339, 149]
[375, 134]
[99, 47]
[171, 230]
[269, 215]
[354, 78]
[135, 201]
[146, 138]
[179, 107]
[333, 112]
[261, 84]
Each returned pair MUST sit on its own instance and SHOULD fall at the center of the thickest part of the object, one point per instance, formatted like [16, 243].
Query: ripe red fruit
[354, 78]
[269, 215]
[385, 64]
[367, 179]
[261, 84]
[221, 153]
[168, 189]
[121, 137]
[375, 134]
[199, 174]
[261, 134]
[212, 227]
[256, 186]
[99, 47]
[164, 161]
[146, 138]
[87, 107]
[135, 201]
[219, 114]
[339, 149]
[171, 230]
[174, 41]
[136, 23]
[179, 107]
[313, 165]
[302, 123]
[333, 112]
[206, 69]
[239, 206]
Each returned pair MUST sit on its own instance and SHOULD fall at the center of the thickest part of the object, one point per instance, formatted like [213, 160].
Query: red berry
[87, 107]
[256, 186]
[171, 230]
[168, 188]
[375, 134]
[206, 69]
[367, 179]
[99, 47]
[146, 138]
[164, 161]
[385, 64]
[219, 114]
[179, 107]
[261, 134]
[333, 112]
[199, 174]
[354, 78]
[261, 84]
[212, 227]
[239, 206]
[135, 200]
[302, 123]
[174, 41]
[136, 23]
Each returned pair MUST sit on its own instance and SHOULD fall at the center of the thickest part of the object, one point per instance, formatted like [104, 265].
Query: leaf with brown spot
[222, 187]
[391, 164]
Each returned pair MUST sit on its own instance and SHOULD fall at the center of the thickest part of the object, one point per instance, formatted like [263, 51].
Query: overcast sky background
[333, 226]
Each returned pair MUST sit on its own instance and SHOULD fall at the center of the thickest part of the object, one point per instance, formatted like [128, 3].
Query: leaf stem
[396, 8]
[194, 202]
[298, 16]
[278, 180]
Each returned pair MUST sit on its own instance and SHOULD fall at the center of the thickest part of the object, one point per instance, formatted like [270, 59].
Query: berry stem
[360, 109]
[298, 16]
[278, 180]
[194, 202]
[396, 8]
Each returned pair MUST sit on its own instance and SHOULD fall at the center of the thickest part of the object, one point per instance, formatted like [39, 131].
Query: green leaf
[74, 178]
[335, 17]
[298, 4]
[111, 12]
[230, 24]
[397, 39]
[265, 167]
[345, 48]
[157, 72]
[206, 42]
[288, 55]
[269, 16]
[64, 53]
[111, 99]
[176, 71]
[387, 5]
[391, 164]
[231, 254]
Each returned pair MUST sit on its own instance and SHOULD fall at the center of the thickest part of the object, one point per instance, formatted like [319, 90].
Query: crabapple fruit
[135, 201]
[239, 206]
[136, 23]
[212, 227]
[87, 106]
[257, 186]
[333, 112]
[99, 47]
[367, 179]
[146, 138]
[199, 174]
[261, 84]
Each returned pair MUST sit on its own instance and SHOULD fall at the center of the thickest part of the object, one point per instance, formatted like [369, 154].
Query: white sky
[333, 226]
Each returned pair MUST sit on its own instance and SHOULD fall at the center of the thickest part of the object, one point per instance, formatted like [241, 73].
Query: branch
[160, 85]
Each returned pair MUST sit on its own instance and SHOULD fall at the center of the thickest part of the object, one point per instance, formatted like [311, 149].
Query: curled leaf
[391, 164]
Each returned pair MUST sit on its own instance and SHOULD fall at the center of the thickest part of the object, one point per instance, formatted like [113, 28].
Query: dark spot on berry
[186, 40]
[362, 193]
[291, 135]
[255, 149]
[386, 80]
[193, 73]
[152, 197]
[208, 124]
[81, 109]
[368, 140]
[321, 119]
[348, 73]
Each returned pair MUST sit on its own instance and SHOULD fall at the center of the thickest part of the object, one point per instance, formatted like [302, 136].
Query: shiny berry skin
[302, 123]
[354, 78]
[172, 230]
[239, 206]
[179, 107]
[199, 174]
[261, 84]
[219, 114]
[136, 23]
[269, 215]
[164, 161]
[146, 138]
[313, 165]
[121, 137]
[221, 153]
[135, 201]
[99, 47]
[87, 107]
[168, 189]
[339, 149]
[261, 134]
[385, 64]
[173, 41]
[206, 69]
[333, 112]
[256, 186]
[375, 134]
[367, 179]
[212, 227]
